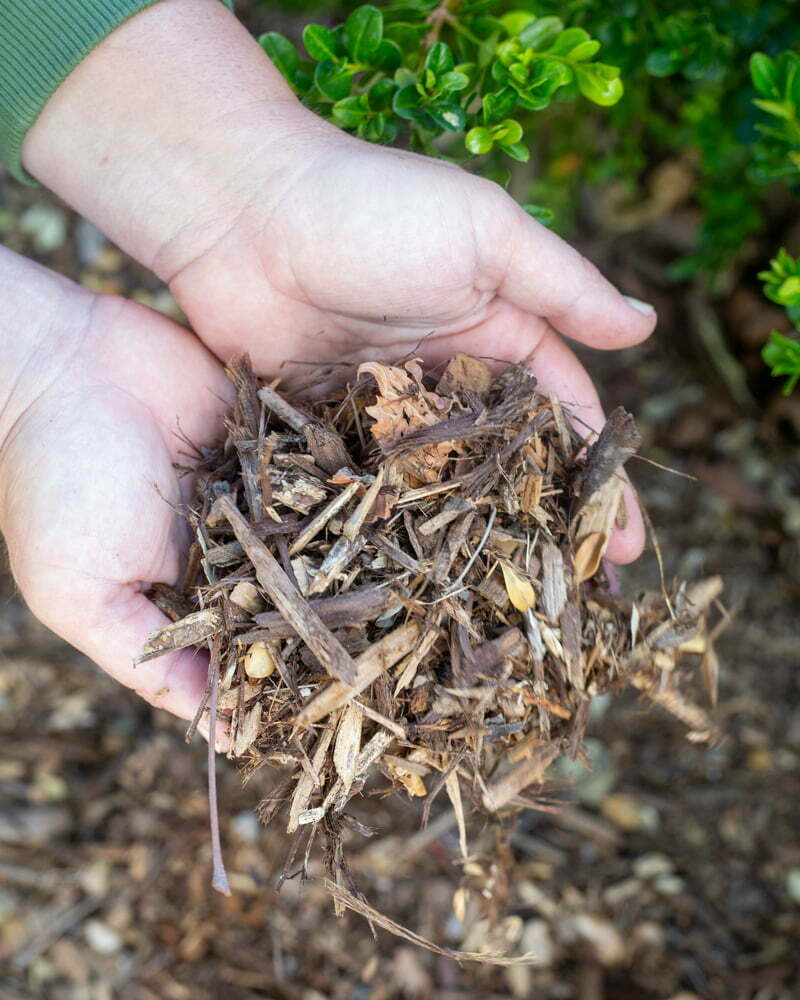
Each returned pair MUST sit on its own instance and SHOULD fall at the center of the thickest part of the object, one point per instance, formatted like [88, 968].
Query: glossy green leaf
[567, 41]
[335, 82]
[389, 56]
[381, 94]
[282, 53]
[540, 213]
[540, 33]
[782, 355]
[452, 82]
[407, 102]
[586, 50]
[518, 151]
[776, 108]
[439, 59]
[507, 133]
[321, 43]
[600, 83]
[349, 112]
[498, 104]
[406, 36]
[788, 292]
[451, 117]
[404, 77]
[516, 20]
[363, 32]
[478, 141]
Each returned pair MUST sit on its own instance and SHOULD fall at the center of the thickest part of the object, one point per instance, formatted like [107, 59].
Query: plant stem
[219, 878]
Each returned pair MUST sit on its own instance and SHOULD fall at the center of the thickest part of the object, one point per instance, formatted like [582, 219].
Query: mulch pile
[405, 579]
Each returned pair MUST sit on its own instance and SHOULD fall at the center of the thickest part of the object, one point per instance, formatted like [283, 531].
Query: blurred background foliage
[688, 93]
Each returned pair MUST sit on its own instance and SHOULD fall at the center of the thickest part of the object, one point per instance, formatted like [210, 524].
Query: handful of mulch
[406, 583]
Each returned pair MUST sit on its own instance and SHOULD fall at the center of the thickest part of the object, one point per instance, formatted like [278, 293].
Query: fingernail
[643, 307]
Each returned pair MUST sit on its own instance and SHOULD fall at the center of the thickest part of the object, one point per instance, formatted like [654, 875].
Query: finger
[115, 635]
[536, 270]
[559, 371]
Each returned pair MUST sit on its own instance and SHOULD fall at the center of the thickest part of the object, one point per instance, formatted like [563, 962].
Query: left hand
[100, 412]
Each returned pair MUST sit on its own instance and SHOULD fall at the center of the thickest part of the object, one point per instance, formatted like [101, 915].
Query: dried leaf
[520, 592]
[404, 405]
[465, 373]
[588, 555]
[411, 781]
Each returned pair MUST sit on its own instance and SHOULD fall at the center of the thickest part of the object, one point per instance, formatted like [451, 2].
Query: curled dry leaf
[519, 590]
[587, 557]
[404, 405]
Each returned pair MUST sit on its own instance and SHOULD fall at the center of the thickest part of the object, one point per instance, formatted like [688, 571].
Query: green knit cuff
[41, 42]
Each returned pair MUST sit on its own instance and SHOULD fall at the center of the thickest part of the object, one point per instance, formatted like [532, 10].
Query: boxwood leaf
[281, 52]
[321, 43]
[479, 141]
[600, 83]
[363, 32]
[451, 117]
[333, 81]
[407, 102]
[541, 33]
[439, 58]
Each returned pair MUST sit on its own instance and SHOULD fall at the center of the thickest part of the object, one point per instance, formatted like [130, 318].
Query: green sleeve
[41, 42]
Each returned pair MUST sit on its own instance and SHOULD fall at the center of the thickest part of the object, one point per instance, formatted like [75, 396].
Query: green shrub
[596, 91]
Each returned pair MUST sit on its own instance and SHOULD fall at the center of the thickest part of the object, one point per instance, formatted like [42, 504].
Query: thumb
[113, 633]
[537, 271]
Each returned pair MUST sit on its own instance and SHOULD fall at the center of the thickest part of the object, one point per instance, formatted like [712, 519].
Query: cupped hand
[364, 252]
[87, 477]
[283, 237]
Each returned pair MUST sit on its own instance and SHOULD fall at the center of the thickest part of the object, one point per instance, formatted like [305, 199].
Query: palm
[367, 252]
[86, 527]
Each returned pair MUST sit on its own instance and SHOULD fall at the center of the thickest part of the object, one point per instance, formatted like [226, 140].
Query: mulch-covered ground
[670, 870]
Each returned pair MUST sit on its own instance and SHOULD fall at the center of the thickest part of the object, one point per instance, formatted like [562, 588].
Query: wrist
[151, 133]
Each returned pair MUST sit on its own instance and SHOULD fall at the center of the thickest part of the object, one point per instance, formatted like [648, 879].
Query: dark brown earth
[669, 871]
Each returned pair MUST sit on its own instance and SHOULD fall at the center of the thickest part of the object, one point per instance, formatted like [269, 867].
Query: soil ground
[668, 871]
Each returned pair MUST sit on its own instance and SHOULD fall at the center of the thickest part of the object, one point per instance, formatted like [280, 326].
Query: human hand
[284, 237]
[95, 396]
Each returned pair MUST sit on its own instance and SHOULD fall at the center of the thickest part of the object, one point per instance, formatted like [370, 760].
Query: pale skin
[285, 238]
[91, 416]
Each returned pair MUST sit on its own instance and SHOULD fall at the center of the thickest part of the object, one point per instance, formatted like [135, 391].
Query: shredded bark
[405, 590]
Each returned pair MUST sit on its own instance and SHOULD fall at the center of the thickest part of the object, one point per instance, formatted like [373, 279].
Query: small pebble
[245, 825]
[629, 814]
[102, 938]
[90, 242]
[597, 934]
[46, 225]
[793, 884]
[537, 940]
[9, 902]
[652, 865]
[590, 786]
[669, 885]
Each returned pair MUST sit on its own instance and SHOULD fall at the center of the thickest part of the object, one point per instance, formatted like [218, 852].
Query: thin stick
[288, 600]
[219, 878]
